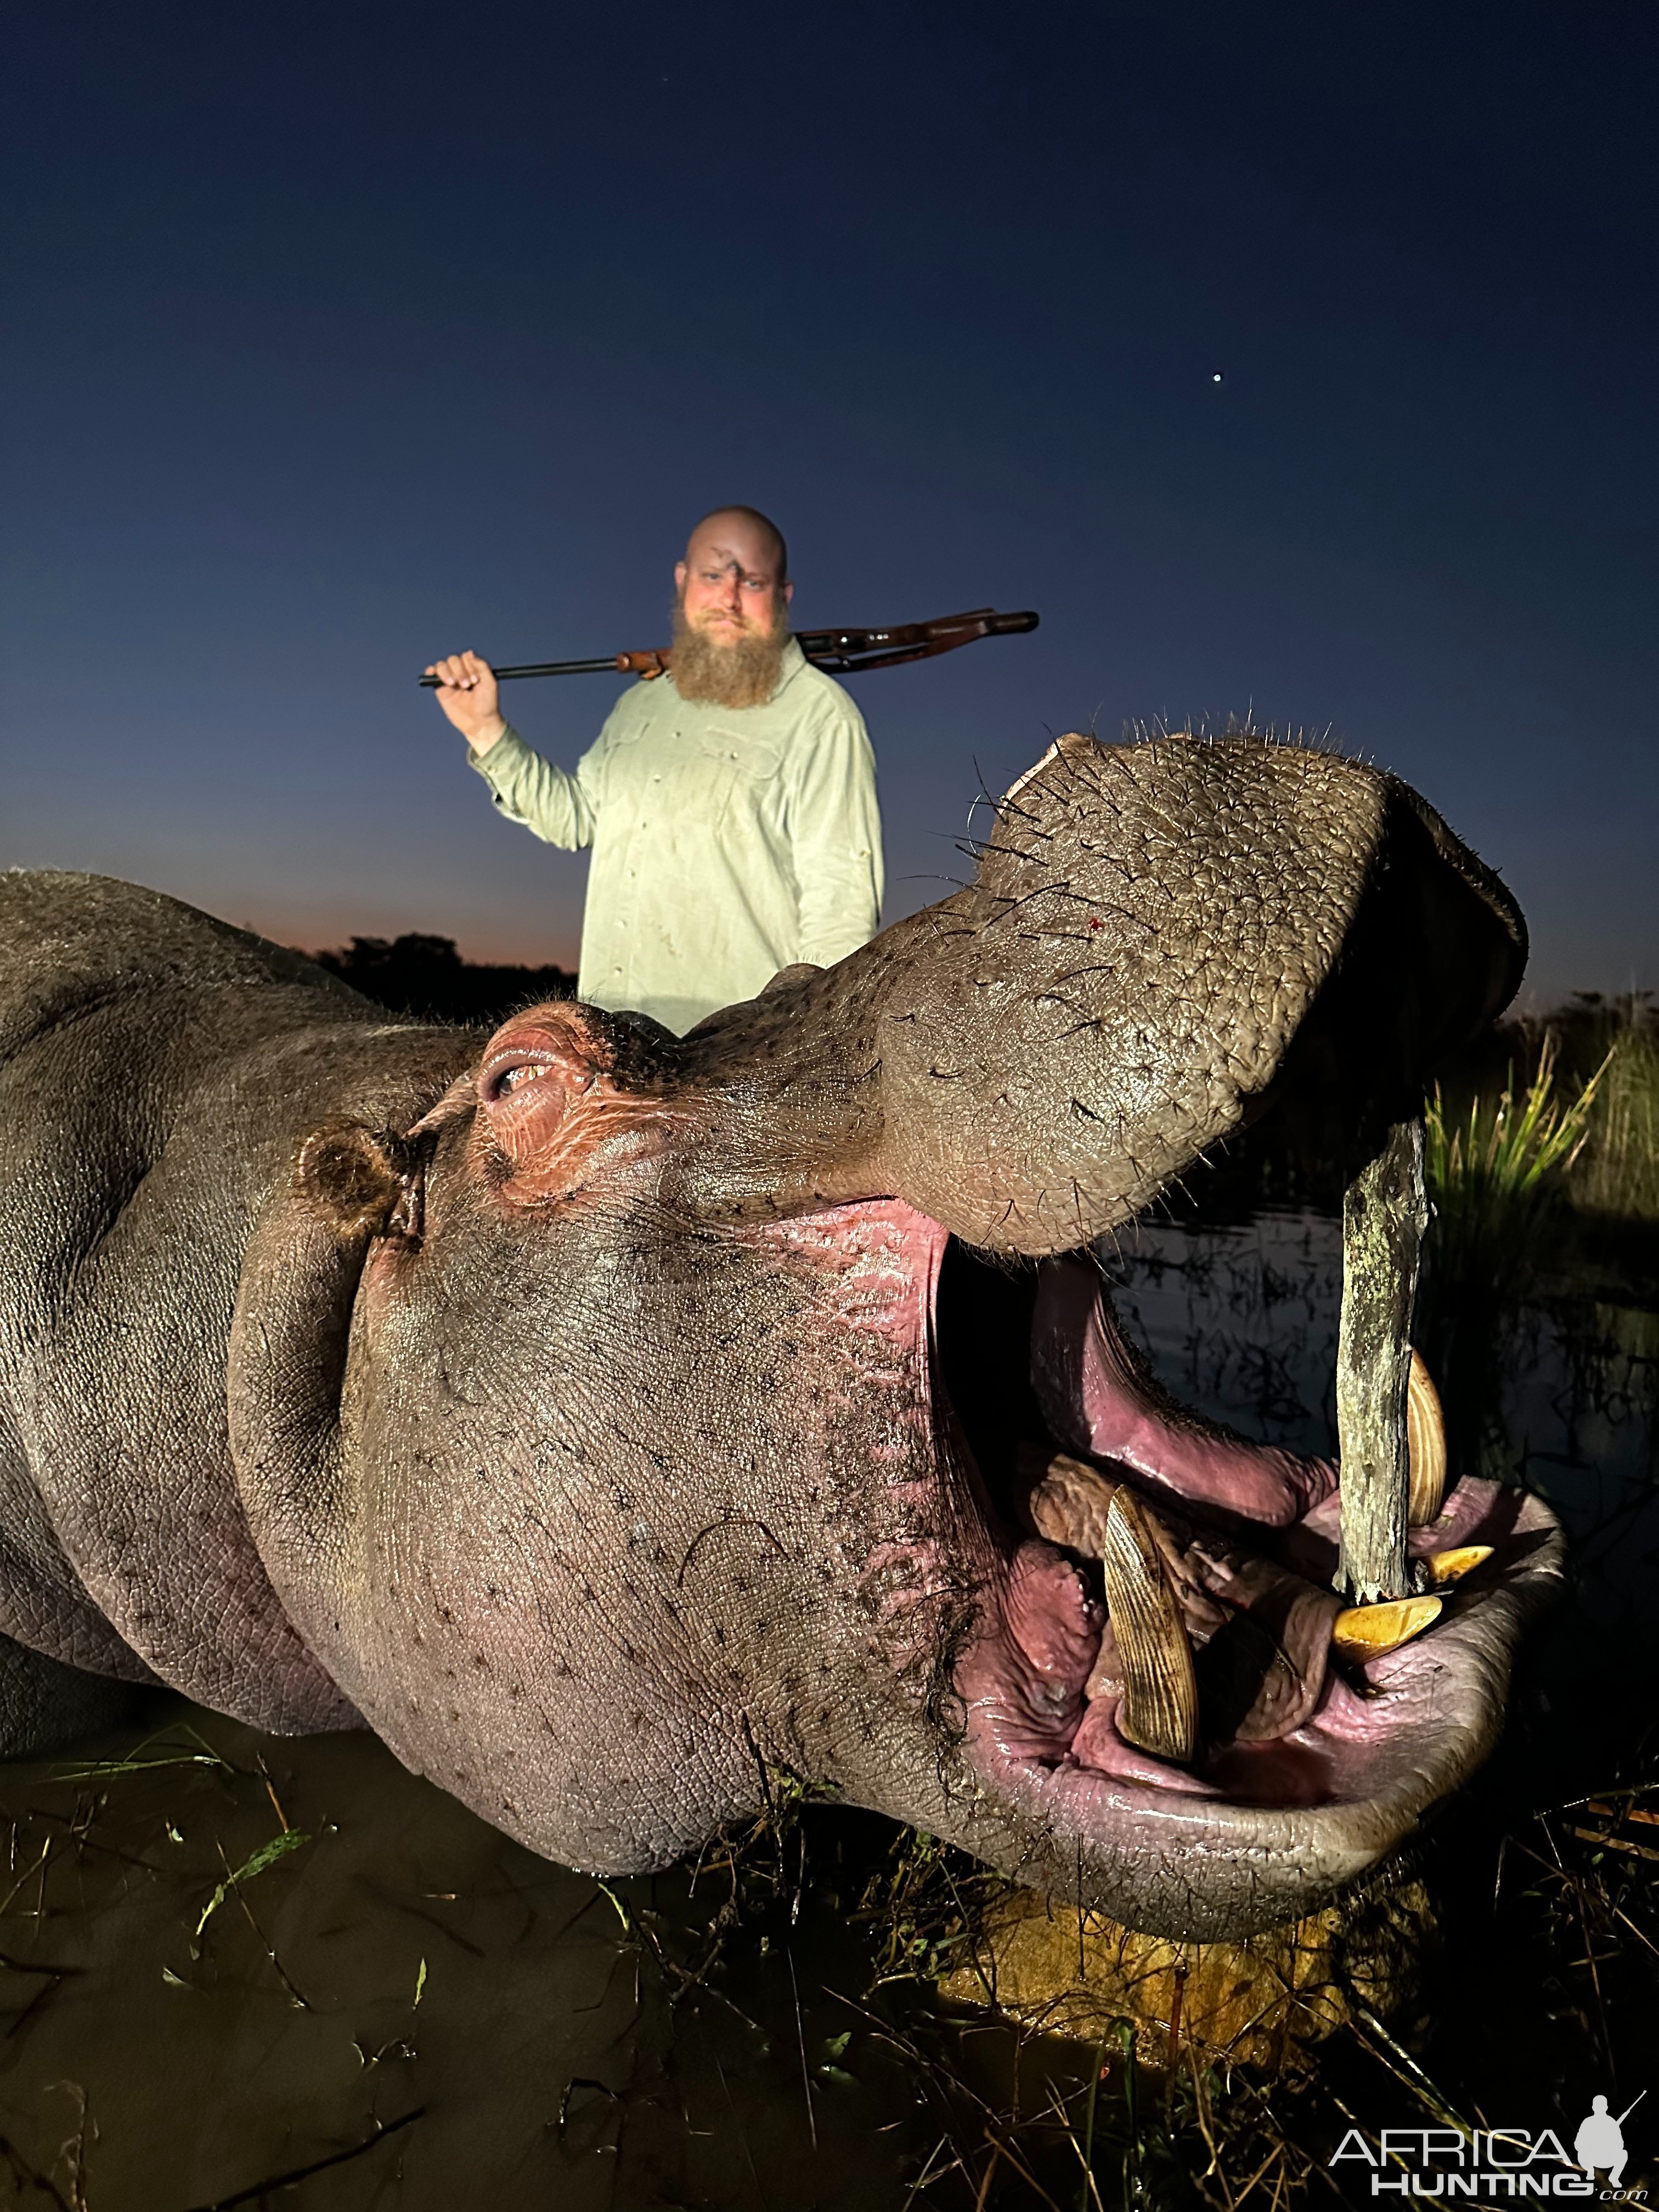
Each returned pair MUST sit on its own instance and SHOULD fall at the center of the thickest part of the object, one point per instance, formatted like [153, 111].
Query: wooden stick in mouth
[1384, 1214]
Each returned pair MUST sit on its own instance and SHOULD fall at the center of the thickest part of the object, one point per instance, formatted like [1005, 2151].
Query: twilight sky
[340, 336]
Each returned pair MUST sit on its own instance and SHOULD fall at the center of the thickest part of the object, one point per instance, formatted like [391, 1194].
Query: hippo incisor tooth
[1366, 1632]
[1451, 1566]
[1159, 1711]
[1425, 1444]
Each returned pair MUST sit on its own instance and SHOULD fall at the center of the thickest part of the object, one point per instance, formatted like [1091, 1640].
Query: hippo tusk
[1451, 1566]
[1425, 1444]
[1367, 1632]
[1159, 1711]
[1069, 1502]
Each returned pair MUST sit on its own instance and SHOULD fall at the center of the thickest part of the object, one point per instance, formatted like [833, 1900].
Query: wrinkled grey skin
[578, 1473]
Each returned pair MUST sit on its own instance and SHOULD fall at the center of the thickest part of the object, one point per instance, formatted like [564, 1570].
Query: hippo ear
[359, 1181]
[1150, 930]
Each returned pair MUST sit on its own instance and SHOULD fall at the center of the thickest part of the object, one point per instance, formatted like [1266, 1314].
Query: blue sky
[336, 340]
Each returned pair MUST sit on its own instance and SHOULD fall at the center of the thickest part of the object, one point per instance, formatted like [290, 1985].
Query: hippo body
[605, 1418]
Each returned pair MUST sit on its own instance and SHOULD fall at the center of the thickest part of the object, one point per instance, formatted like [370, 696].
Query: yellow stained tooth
[1159, 1711]
[1451, 1566]
[1366, 1632]
[1425, 1444]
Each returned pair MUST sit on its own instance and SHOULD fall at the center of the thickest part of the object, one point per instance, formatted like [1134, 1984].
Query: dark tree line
[427, 976]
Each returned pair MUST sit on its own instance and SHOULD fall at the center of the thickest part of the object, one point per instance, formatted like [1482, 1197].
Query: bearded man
[731, 803]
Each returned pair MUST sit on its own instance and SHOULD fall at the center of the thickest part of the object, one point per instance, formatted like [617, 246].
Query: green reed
[1491, 1177]
[1496, 1178]
[1617, 1169]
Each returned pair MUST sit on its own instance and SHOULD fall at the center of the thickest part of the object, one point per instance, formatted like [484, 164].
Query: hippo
[615, 1422]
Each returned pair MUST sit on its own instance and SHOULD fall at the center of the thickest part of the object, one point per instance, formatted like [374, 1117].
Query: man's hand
[467, 692]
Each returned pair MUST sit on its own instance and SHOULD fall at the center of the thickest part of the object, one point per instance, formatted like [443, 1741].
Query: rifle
[840, 652]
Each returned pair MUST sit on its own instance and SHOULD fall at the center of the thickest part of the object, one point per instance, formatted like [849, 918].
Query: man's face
[728, 582]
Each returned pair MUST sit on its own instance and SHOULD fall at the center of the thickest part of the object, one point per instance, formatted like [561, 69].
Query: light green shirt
[727, 842]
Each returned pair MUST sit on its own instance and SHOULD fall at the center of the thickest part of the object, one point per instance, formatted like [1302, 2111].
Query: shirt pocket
[741, 778]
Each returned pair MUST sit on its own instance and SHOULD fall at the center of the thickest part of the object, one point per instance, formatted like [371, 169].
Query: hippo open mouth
[1031, 1605]
[1160, 1667]
[1212, 1677]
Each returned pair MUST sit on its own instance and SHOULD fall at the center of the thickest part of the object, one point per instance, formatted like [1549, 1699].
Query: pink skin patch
[1042, 1686]
[1097, 1401]
[878, 1262]
[1024, 1686]
[1366, 1729]
[873, 1267]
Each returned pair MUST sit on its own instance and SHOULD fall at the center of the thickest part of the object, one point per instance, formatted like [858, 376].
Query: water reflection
[1241, 1321]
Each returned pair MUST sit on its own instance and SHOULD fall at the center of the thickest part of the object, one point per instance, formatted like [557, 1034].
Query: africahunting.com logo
[1492, 2162]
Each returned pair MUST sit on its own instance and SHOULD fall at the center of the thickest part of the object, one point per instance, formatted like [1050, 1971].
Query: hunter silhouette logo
[1600, 2142]
[1484, 2163]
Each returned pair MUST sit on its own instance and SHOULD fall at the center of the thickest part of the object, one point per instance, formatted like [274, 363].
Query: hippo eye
[530, 1078]
[510, 1075]
[511, 1078]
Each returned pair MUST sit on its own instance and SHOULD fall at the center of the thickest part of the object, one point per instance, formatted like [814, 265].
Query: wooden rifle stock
[839, 652]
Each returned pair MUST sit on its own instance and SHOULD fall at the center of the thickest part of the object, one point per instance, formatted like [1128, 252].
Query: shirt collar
[789, 667]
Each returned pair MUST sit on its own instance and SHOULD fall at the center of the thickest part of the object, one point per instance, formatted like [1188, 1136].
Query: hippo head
[654, 1412]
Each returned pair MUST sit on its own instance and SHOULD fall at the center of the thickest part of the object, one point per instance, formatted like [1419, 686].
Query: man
[731, 803]
[1600, 2141]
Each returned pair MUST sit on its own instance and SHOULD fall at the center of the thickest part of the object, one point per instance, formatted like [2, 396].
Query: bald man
[731, 805]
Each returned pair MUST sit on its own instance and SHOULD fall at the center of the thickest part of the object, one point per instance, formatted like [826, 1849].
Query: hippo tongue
[1262, 1674]
[1098, 1398]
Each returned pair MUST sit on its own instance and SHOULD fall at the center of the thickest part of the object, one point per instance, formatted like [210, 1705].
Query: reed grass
[1493, 1176]
[1496, 1178]
[1616, 1169]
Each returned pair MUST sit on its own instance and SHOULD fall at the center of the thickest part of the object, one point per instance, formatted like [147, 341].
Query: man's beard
[744, 673]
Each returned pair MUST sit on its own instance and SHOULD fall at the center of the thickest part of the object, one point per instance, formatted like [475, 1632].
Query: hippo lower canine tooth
[1159, 1711]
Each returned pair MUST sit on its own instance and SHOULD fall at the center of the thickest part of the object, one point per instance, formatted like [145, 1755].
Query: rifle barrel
[613, 662]
[846, 652]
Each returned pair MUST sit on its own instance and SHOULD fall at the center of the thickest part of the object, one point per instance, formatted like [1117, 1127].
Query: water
[1241, 1323]
[404, 2009]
